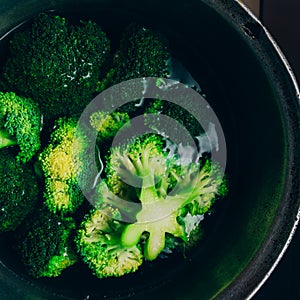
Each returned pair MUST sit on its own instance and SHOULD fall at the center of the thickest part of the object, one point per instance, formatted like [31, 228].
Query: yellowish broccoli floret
[108, 124]
[62, 163]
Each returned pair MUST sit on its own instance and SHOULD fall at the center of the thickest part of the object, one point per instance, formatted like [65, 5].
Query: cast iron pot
[253, 92]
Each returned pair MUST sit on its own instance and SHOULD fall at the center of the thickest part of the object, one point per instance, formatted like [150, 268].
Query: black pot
[252, 89]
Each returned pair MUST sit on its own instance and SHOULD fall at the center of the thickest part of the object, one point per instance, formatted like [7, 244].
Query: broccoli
[178, 117]
[108, 124]
[155, 188]
[19, 191]
[57, 64]
[20, 124]
[99, 244]
[142, 53]
[62, 162]
[45, 244]
[165, 187]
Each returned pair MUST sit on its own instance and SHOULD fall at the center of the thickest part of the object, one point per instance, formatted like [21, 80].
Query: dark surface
[281, 17]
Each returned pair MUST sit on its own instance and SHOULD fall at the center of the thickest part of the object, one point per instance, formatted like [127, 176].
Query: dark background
[281, 17]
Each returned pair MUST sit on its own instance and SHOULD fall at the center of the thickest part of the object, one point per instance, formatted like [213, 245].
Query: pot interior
[221, 56]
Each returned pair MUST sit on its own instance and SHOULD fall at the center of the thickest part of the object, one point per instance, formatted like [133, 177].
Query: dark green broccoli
[62, 162]
[20, 124]
[142, 53]
[46, 245]
[19, 191]
[165, 187]
[99, 244]
[57, 64]
[167, 116]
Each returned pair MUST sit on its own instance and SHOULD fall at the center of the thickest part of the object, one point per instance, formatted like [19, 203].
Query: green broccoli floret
[18, 190]
[143, 53]
[99, 244]
[57, 64]
[177, 117]
[164, 186]
[20, 124]
[108, 124]
[63, 162]
[45, 244]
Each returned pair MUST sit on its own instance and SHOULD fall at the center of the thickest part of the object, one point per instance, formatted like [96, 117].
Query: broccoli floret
[146, 165]
[99, 244]
[45, 244]
[19, 191]
[203, 183]
[121, 196]
[57, 64]
[63, 162]
[108, 124]
[124, 189]
[20, 124]
[178, 117]
[143, 53]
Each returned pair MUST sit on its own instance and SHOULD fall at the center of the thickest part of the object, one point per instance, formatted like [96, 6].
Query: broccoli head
[142, 53]
[45, 243]
[62, 163]
[99, 244]
[108, 124]
[19, 191]
[165, 186]
[20, 124]
[57, 64]
[166, 116]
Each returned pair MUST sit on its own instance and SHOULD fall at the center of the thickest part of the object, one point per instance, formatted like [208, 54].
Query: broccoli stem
[148, 195]
[6, 139]
[161, 208]
[149, 192]
[154, 207]
[157, 208]
[157, 230]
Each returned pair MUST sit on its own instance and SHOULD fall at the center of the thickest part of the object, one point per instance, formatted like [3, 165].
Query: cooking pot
[252, 90]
